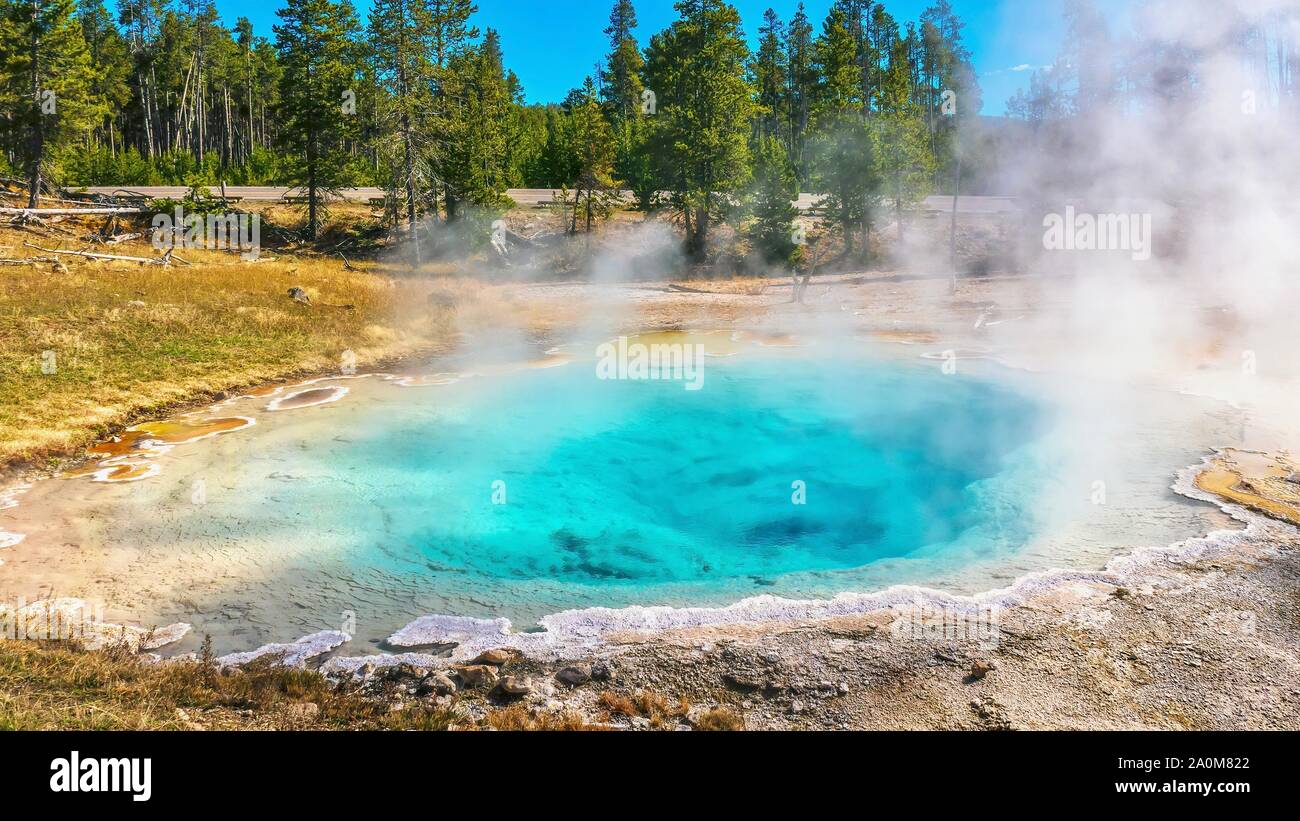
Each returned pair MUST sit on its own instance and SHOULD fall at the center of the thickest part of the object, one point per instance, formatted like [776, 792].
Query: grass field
[57, 686]
[88, 345]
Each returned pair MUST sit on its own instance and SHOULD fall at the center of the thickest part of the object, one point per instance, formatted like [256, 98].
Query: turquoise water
[525, 493]
[553, 475]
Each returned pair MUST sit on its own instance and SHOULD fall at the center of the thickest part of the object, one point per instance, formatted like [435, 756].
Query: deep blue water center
[776, 466]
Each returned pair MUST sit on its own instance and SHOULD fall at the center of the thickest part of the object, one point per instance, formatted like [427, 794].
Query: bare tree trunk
[228, 146]
[185, 93]
[156, 132]
[408, 164]
[898, 205]
[866, 227]
[952, 229]
[36, 143]
[313, 228]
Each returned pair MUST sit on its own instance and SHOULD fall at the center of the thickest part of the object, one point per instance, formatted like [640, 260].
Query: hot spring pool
[777, 467]
[524, 493]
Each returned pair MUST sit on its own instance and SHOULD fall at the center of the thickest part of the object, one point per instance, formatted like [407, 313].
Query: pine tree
[317, 44]
[775, 188]
[593, 151]
[622, 91]
[398, 33]
[701, 133]
[476, 171]
[802, 79]
[451, 41]
[110, 83]
[45, 82]
[835, 55]
[906, 163]
[621, 79]
[771, 77]
[946, 69]
[844, 153]
[140, 20]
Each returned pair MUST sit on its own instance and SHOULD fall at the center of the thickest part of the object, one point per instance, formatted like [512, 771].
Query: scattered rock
[1294, 478]
[190, 724]
[602, 671]
[992, 714]
[741, 680]
[515, 686]
[476, 676]
[574, 675]
[497, 658]
[299, 295]
[401, 672]
[439, 683]
[980, 669]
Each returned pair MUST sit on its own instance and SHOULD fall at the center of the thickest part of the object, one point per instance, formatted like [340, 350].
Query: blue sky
[553, 46]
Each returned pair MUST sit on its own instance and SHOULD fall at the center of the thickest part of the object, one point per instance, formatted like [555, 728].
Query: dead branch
[164, 260]
[114, 239]
[28, 261]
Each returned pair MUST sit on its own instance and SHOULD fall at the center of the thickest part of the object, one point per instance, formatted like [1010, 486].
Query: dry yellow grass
[661, 712]
[122, 342]
[518, 719]
[721, 719]
[57, 686]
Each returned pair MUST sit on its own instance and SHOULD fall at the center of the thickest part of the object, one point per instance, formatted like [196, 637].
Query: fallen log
[164, 260]
[113, 239]
[71, 212]
[44, 198]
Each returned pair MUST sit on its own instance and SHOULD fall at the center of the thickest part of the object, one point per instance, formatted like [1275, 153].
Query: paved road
[533, 197]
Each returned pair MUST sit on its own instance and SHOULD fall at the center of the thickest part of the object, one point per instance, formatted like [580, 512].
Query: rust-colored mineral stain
[266, 390]
[714, 343]
[308, 398]
[505, 368]
[907, 337]
[768, 339]
[124, 472]
[143, 440]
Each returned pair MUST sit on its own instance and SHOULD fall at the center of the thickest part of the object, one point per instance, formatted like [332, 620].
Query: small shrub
[518, 719]
[720, 719]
